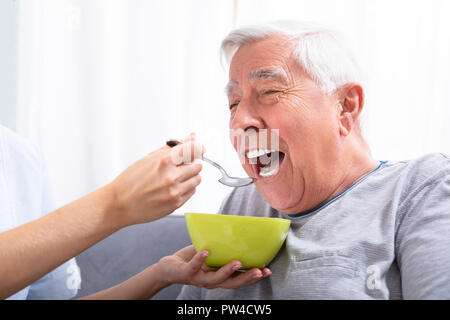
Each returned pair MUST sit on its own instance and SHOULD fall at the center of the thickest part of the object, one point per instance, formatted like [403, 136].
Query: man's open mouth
[265, 163]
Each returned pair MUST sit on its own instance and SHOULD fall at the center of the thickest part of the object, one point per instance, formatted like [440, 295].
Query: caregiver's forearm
[149, 189]
[32, 250]
[142, 286]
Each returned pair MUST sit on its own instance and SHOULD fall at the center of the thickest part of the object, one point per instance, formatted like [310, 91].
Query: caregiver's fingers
[188, 171]
[266, 272]
[186, 153]
[196, 263]
[243, 279]
[185, 197]
[187, 253]
[213, 279]
[190, 184]
[190, 137]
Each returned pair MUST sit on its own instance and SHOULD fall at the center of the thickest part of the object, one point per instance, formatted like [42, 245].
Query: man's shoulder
[431, 160]
[428, 169]
[412, 176]
[423, 184]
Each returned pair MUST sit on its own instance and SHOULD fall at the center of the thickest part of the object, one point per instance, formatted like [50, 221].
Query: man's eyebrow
[231, 87]
[276, 74]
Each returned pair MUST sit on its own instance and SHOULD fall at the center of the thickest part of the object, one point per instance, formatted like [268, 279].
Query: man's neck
[358, 164]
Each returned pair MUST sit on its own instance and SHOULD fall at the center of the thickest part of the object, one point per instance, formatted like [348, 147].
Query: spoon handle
[222, 170]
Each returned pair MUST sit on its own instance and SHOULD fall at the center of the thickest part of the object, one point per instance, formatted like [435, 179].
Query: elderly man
[360, 228]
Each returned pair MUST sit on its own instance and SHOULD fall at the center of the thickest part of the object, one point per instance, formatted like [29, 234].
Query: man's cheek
[248, 169]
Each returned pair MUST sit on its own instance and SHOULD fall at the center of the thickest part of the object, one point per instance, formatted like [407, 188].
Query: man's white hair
[321, 52]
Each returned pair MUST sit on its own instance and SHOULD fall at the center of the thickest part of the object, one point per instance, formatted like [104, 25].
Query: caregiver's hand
[157, 184]
[187, 267]
[149, 189]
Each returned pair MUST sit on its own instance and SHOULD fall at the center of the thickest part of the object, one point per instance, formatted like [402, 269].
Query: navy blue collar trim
[335, 197]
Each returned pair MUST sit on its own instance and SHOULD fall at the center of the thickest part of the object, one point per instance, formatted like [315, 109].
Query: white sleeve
[190, 293]
[60, 284]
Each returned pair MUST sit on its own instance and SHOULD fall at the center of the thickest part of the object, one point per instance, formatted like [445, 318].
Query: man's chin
[277, 200]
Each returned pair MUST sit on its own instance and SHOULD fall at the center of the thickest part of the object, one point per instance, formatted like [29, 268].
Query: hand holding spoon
[226, 179]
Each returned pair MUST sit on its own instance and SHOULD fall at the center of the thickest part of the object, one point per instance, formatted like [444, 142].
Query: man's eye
[233, 105]
[269, 92]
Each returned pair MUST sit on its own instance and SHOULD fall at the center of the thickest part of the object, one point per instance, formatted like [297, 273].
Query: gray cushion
[129, 251]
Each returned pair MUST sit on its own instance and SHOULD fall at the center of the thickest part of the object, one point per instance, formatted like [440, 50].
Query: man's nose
[245, 117]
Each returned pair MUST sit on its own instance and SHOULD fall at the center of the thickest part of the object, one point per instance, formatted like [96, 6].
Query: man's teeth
[258, 152]
[269, 165]
[268, 171]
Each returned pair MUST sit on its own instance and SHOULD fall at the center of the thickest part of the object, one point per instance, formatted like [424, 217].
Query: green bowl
[254, 241]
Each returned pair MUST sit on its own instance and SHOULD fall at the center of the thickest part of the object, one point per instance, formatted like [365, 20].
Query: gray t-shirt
[385, 237]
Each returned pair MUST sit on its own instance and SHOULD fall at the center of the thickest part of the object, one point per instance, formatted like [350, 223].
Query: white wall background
[8, 62]
[103, 82]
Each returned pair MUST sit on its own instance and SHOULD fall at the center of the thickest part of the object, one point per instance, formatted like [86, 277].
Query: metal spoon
[226, 179]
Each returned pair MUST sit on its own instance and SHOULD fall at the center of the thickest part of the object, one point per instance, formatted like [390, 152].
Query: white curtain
[103, 82]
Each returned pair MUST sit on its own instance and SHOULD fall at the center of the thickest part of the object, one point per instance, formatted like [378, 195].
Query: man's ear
[351, 101]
